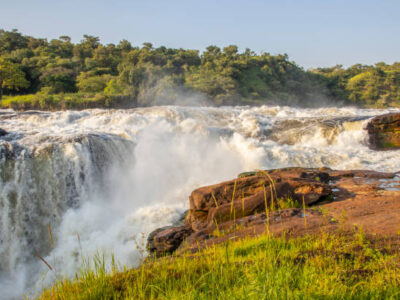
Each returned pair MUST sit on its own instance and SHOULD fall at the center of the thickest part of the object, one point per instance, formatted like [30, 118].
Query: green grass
[335, 266]
[44, 101]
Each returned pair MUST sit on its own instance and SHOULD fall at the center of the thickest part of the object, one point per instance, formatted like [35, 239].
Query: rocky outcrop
[249, 195]
[248, 206]
[384, 132]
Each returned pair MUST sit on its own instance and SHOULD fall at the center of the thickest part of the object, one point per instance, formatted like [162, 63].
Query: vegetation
[148, 76]
[45, 101]
[377, 85]
[332, 266]
[11, 77]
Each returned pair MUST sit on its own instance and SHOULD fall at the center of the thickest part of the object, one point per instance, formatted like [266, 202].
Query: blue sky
[313, 33]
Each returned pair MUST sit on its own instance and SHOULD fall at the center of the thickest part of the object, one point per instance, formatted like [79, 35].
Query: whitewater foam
[103, 179]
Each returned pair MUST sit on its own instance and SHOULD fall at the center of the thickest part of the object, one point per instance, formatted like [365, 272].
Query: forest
[39, 74]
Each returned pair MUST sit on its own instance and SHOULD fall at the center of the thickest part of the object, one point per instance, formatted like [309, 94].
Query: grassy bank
[79, 101]
[334, 266]
[42, 101]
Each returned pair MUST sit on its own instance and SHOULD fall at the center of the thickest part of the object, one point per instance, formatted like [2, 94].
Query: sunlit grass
[334, 266]
[62, 101]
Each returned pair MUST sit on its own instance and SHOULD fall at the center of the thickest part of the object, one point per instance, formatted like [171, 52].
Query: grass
[45, 101]
[327, 266]
[324, 266]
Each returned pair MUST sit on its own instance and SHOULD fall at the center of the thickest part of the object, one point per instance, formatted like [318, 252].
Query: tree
[58, 80]
[148, 46]
[113, 88]
[65, 38]
[124, 45]
[91, 41]
[11, 77]
[88, 83]
[231, 50]
[12, 40]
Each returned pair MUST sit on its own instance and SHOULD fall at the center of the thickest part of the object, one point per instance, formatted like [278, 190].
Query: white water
[104, 179]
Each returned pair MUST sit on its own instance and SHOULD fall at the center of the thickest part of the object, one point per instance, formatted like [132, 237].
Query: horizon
[312, 34]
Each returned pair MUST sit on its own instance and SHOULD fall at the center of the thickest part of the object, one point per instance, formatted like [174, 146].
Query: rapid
[76, 184]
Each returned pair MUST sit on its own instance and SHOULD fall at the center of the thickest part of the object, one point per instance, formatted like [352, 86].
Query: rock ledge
[245, 207]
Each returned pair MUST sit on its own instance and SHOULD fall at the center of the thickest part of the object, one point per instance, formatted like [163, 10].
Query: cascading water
[103, 179]
[40, 183]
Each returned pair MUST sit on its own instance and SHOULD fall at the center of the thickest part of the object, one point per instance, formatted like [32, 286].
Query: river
[101, 180]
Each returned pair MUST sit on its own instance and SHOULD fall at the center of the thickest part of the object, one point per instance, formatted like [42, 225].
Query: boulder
[250, 193]
[384, 132]
[167, 239]
[151, 247]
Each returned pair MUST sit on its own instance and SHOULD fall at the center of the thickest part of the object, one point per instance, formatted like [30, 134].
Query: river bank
[241, 240]
[82, 101]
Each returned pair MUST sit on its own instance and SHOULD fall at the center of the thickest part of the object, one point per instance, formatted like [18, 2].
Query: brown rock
[358, 200]
[167, 239]
[150, 239]
[384, 132]
[248, 195]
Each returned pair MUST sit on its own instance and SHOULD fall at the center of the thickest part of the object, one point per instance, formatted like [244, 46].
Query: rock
[3, 132]
[11, 151]
[150, 239]
[167, 239]
[346, 199]
[247, 174]
[249, 194]
[181, 220]
[384, 132]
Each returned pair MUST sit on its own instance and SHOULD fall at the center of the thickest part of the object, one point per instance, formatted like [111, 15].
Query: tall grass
[312, 267]
[323, 266]
[233, 201]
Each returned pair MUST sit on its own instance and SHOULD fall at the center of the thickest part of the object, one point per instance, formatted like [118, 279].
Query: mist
[128, 172]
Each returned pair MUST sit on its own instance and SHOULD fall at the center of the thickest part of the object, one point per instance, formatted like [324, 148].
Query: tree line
[59, 71]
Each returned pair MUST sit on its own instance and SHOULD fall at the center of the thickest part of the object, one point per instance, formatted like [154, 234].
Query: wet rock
[167, 239]
[384, 132]
[3, 132]
[10, 151]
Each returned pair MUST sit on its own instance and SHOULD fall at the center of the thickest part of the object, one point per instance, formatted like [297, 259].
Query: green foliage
[12, 40]
[11, 77]
[92, 84]
[377, 85]
[45, 101]
[113, 88]
[313, 267]
[287, 202]
[58, 80]
[150, 75]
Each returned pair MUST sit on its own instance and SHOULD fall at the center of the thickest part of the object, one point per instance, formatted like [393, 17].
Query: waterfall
[39, 185]
[101, 180]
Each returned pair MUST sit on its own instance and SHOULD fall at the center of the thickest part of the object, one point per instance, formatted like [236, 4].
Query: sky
[314, 33]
